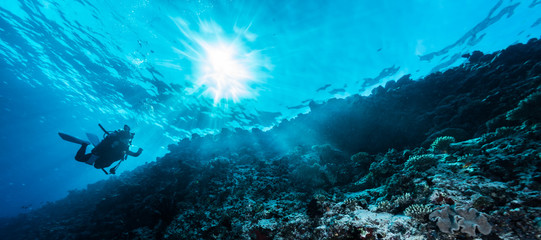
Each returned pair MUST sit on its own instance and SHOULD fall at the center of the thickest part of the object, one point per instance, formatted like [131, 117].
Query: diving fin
[72, 139]
[95, 140]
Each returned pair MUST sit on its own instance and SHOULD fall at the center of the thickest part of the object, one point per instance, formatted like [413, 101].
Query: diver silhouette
[114, 147]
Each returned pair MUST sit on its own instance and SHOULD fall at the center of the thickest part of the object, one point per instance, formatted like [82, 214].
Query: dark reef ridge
[456, 155]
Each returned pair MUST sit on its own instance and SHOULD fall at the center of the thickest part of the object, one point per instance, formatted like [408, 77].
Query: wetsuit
[111, 149]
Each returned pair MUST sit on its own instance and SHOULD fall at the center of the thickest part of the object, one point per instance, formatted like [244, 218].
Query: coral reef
[459, 148]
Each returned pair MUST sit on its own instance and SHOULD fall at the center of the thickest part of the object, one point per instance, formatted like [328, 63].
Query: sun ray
[225, 68]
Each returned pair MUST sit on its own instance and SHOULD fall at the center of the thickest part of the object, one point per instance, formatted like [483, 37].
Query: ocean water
[170, 69]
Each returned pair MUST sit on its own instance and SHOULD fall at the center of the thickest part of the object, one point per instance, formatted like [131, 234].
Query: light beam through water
[225, 68]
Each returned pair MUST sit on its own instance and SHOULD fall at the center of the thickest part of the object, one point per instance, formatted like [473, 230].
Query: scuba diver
[114, 147]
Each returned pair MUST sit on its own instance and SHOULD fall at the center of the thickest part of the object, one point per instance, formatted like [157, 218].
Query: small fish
[467, 165]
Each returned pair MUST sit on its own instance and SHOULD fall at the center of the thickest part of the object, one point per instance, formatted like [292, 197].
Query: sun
[225, 72]
[226, 69]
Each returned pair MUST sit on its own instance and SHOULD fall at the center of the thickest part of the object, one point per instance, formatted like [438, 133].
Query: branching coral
[420, 162]
[418, 211]
[403, 200]
[442, 144]
[384, 206]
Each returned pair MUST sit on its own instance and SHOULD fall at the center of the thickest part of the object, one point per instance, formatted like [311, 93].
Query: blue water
[173, 68]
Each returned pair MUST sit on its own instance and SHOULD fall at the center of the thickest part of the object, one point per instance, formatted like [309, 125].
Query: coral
[350, 201]
[384, 206]
[383, 167]
[467, 221]
[309, 176]
[464, 158]
[457, 133]
[499, 133]
[362, 160]
[403, 200]
[319, 197]
[418, 211]
[483, 203]
[420, 162]
[363, 224]
[472, 220]
[328, 154]
[368, 181]
[402, 183]
[380, 169]
[442, 144]
[397, 205]
[446, 219]
[527, 109]
[440, 198]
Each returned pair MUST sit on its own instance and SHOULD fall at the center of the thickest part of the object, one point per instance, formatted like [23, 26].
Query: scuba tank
[114, 147]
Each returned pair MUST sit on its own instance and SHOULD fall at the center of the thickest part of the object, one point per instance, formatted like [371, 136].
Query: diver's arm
[135, 154]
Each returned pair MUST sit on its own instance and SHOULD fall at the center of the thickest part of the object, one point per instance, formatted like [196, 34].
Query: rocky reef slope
[456, 155]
